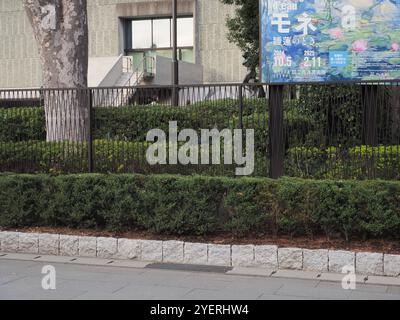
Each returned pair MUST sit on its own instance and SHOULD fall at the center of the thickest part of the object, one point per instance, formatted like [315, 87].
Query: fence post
[276, 132]
[241, 106]
[175, 96]
[90, 133]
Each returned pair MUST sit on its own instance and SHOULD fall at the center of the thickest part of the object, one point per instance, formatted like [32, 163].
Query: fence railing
[334, 130]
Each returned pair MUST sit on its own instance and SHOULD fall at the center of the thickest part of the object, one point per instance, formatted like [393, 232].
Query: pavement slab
[21, 279]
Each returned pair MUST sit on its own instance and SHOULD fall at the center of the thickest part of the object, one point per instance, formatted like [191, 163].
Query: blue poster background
[330, 40]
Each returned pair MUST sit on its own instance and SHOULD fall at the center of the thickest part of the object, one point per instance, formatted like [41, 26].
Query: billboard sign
[329, 40]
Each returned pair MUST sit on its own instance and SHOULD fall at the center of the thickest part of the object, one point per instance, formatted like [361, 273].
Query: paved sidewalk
[22, 280]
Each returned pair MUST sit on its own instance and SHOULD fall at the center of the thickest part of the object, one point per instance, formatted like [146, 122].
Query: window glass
[186, 55]
[162, 33]
[141, 34]
[185, 32]
[157, 33]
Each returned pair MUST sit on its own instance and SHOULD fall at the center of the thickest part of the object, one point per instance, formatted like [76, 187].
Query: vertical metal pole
[90, 133]
[276, 132]
[241, 106]
[175, 63]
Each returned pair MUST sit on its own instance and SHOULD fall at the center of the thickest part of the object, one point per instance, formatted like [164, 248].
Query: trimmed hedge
[358, 162]
[19, 124]
[132, 122]
[108, 156]
[130, 157]
[178, 205]
[41, 156]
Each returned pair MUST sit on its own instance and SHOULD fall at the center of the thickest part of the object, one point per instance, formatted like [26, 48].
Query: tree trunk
[61, 32]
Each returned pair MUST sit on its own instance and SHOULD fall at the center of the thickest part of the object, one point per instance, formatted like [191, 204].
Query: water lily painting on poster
[329, 40]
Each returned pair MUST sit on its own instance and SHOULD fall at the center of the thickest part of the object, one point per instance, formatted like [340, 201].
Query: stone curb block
[219, 255]
[107, 247]
[173, 251]
[195, 253]
[369, 263]
[264, 256]
[28, 243]
[391, 265]
[243, 256]
[129, 249]
[49, 244]
[69, 245]
[9, 241]
[338, 259]
[267, 257]
[152, 251]
[315, 260]
[88, 247]
[290, 258]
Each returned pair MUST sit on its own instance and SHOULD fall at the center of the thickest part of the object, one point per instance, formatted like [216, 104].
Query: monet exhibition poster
[330, 40]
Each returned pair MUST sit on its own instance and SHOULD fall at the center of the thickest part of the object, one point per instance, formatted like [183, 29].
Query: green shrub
[160, 204]
[351, 209]
[380, 161]
[354, 163]
[19, 124]
[108, 156]
[335, 113]
[40, 156]
[132, 122]
[306, 162]
[130, 157]
[186, 205]
[202, 205]
[249, 207]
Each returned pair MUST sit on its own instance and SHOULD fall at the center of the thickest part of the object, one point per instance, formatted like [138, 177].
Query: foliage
[18, 124]
[323, 137]
[358, 162]
[335, 114]
[132, 123]
[109, 156]
[201, 205]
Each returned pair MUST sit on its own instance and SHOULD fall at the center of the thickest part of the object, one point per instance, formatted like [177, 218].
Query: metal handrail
[145, 70]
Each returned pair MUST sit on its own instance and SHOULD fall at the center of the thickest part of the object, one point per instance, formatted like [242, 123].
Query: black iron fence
[331, 130]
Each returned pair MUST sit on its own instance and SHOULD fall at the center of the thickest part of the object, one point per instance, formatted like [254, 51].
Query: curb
[262, 257]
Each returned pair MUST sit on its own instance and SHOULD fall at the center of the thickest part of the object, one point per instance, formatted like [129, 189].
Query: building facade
[138, 29]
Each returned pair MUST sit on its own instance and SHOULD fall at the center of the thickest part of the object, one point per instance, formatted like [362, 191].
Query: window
[157, 33]
[141, 34]
[161, 33]
[185, 32]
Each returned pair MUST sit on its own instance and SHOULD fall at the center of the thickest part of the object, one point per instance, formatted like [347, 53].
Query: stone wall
[20, 65]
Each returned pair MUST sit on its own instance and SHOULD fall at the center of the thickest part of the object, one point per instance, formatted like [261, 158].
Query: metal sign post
[276, 131]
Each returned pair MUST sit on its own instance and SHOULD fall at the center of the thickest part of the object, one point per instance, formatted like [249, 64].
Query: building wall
[222, 61]
[20, 65]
